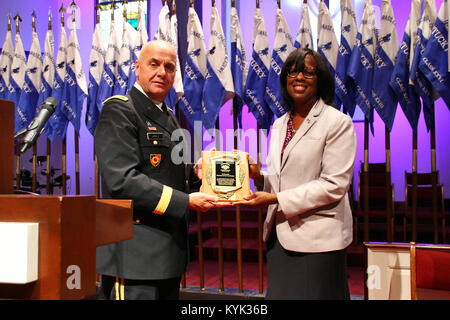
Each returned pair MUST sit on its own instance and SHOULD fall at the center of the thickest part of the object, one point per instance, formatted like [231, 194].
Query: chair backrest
[422, 178]
[430, 277]
[377, 177]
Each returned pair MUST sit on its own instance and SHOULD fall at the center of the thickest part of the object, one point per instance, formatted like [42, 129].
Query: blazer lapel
[309, 121]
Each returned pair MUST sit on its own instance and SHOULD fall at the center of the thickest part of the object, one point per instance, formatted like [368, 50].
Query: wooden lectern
[70, 229]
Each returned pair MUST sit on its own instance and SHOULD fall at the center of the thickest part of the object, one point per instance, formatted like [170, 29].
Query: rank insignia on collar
[155, 159]
[152, 128]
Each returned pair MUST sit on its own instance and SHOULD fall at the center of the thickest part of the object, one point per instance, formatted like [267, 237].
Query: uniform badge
[155, 159]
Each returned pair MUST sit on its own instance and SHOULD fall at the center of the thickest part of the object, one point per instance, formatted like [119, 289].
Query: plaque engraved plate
[225, 174]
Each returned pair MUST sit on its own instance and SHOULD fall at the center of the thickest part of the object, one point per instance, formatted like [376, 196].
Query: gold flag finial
[233, 3]
[33, 21]
[125, 5]
[62, 10]
[73, 6]
[9, 22]
[97, 13]
[113, 6]
[49, 19]
[305, 1]
[257, 4]
[17, 18]
[279, 4]
[191, 3]
[174, 7]
[213, 3]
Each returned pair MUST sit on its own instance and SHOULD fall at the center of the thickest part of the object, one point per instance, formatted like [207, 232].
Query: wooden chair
[429, 266]
[424, 212]
[377, 194]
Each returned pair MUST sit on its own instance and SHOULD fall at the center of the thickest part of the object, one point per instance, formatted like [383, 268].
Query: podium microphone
[36, 126]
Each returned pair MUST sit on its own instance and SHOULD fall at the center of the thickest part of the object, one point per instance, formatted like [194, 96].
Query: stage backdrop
[401, 135]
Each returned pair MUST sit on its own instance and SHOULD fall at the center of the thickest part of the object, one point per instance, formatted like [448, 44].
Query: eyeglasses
[307, 73]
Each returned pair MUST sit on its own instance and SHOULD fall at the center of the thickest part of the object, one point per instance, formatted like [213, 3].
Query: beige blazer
[313, 212]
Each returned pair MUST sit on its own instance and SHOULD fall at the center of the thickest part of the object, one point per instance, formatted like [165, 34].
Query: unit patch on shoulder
[120, 97]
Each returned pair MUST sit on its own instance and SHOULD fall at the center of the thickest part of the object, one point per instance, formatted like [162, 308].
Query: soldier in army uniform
[133, 144]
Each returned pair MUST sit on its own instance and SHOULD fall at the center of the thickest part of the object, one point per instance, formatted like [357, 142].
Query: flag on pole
[26, 107]
[255, 86]
[304, 35]
[48, 73]
[383, 98]
[327, 44]
[361, 65]
[177, 90]
[400, 82]
[58, 120]
[6, 59]
[140, 40]
[281, 49]
[344, 89]
[194, 70]
[75, 86]
[218, 87]
[96, 65]
[18, 68]
[423, 86]
[168, 31]
[239, 65]
[124, 60]
[109, 75]
[434, 60]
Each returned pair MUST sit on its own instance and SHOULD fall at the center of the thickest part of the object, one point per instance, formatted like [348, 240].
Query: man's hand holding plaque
[225, 175]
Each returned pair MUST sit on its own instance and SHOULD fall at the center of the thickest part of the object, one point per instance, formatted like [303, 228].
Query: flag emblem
[155, 159]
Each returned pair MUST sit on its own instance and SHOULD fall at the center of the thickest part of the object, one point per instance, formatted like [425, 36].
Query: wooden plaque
[225, 174]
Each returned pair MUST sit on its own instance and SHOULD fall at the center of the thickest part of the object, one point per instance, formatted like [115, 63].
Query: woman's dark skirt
[305, 276]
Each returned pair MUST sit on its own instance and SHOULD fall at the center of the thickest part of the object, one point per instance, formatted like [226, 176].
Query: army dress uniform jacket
[133, 145]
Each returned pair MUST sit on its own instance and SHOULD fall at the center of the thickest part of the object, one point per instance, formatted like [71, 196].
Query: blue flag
[327, 44]
[361, 65]
[109, 75]
[239, 66]
[75, 87]
[304, 34]
[434, 62]
[140, 40]
[400, 82]
[27, 106]
[168, 31]
[423, 86]
[18, 69]
[218, 87]
[48, 72]
[6, 59]
[383, 98]
[258, 74]
[58, 122]
[191, 103]
[96, 64]
[281, 49]
[124, 60]
[344, 88]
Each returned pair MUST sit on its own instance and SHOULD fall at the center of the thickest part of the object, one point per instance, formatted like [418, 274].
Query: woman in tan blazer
[310, 166]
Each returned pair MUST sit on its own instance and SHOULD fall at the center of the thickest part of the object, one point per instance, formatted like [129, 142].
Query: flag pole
[389, 211]
[414, 188]
[48, 190]
[75, 132]
[18, 171]
[219, 211]
[366, 179]
[434, 182]
[33, 179]
[64, 140]
[238, 207]
[97, 175]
